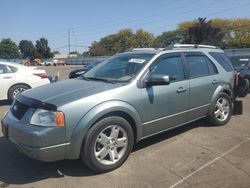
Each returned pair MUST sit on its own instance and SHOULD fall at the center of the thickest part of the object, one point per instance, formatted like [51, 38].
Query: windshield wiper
[101, 79]
[84, 78]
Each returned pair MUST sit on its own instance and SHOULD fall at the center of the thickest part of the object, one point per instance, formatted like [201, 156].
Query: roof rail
[194, 46]
[149, 49]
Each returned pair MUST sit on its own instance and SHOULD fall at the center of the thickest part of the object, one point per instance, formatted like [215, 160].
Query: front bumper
[35, 142]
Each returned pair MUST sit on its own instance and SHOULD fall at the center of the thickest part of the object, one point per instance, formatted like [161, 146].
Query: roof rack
[193, 46]
[145, 49]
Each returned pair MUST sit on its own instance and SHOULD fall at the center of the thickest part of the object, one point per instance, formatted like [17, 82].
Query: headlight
[47, 118]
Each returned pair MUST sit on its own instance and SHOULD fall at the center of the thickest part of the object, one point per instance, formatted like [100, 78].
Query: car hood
[63, 92]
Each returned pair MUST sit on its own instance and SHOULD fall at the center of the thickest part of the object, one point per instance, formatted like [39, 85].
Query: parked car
[16, 78]
[46, 63]
[78, 72]
[58, 62]
[242, 65]
[123, 100]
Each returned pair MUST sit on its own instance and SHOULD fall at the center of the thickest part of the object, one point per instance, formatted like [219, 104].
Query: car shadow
[169, 134]
[16, 168]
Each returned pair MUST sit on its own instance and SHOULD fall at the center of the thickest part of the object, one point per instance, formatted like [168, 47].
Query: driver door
[166, 106]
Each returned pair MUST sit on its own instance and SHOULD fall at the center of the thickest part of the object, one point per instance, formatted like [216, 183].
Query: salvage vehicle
[127, 98]
[16, 78]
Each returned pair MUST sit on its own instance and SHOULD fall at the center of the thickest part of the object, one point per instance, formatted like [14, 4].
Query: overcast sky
[90, 20]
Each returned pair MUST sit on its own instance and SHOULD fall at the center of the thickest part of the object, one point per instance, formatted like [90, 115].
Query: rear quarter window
[223, 60]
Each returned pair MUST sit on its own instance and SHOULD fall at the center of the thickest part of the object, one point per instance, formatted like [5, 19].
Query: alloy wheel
[111, 145]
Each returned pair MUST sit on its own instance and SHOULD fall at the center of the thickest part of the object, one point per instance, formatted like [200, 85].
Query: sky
[86, 21]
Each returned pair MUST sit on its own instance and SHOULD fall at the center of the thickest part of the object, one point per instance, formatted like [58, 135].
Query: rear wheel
[15, 90]
[222, 110]
[107, 144]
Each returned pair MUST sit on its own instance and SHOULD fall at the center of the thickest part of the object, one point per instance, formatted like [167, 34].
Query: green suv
[129, 97]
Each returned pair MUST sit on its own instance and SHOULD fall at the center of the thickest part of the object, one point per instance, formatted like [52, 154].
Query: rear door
[204, 79]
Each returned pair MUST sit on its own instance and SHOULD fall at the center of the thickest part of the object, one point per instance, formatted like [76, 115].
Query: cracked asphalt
[195, 155]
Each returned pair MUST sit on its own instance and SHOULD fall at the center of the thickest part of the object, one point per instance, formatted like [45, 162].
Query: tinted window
[7, 69]
[12, 69]
[223, 60]
[239, 62]
[171, 66]
[200, 65]
[3, 69]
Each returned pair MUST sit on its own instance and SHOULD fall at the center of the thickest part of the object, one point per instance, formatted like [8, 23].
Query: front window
[120, 68]
[171, 66]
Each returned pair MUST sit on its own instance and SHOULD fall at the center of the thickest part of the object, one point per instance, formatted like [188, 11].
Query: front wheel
[107, 144]
[222, 110]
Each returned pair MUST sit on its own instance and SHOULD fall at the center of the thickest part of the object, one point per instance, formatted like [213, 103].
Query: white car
[47, 63]
[15, 78]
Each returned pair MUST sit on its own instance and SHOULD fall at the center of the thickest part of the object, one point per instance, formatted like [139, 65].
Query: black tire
[91, 144]
[243, 88]
[15, 90]
[216, 116]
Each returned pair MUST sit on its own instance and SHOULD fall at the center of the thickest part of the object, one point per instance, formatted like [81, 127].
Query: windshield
[120, 68]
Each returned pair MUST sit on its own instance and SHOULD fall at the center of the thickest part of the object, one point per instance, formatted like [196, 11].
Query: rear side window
[200, 65]
[7, 69]
[223, 60]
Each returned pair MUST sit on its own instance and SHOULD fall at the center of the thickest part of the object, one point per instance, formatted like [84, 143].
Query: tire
[222, 110]
[243, 88]
[107, 144]
[15, 90]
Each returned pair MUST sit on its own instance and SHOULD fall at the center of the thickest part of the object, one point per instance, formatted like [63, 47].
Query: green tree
[56, 52]
[42, 49]
[124, 40]
[97, 49]
[75, 53]
[27, 49]
[8, 49]
[203, 32]
[143, 39]
[167, 38]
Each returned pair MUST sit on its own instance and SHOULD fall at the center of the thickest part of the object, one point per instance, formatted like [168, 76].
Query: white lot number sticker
[139, 61]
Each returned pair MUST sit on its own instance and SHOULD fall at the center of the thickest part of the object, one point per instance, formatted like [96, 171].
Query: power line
[184, 13]
[161, 19]
[149, 16]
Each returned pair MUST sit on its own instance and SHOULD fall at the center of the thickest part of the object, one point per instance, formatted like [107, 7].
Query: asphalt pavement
[195, 155]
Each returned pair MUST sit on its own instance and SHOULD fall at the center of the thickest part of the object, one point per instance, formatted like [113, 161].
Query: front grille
[18, 109]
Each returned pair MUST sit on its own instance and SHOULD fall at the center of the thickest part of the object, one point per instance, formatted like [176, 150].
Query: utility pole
[69, 40]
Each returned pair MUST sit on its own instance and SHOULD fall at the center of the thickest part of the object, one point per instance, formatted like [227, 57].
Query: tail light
[236, 79]
[41, 75]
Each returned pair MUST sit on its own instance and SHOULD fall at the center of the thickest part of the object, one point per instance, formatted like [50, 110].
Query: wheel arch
[220, 89]
[20, 83]
[106, 109]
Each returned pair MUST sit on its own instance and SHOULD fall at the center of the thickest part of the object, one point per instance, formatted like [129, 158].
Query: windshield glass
[120, 68]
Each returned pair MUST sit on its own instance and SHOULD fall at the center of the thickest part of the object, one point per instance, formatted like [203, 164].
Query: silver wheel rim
[222, 109]
[17, 91]
[111, 145]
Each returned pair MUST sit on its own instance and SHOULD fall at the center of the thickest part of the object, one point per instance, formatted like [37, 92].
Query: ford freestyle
[131, 96]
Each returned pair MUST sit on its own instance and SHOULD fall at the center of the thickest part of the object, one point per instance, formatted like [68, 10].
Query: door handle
[7, 77]
[215, 82]
[181, 90]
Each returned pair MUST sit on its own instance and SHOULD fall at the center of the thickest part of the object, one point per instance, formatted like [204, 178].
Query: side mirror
[157, 79]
